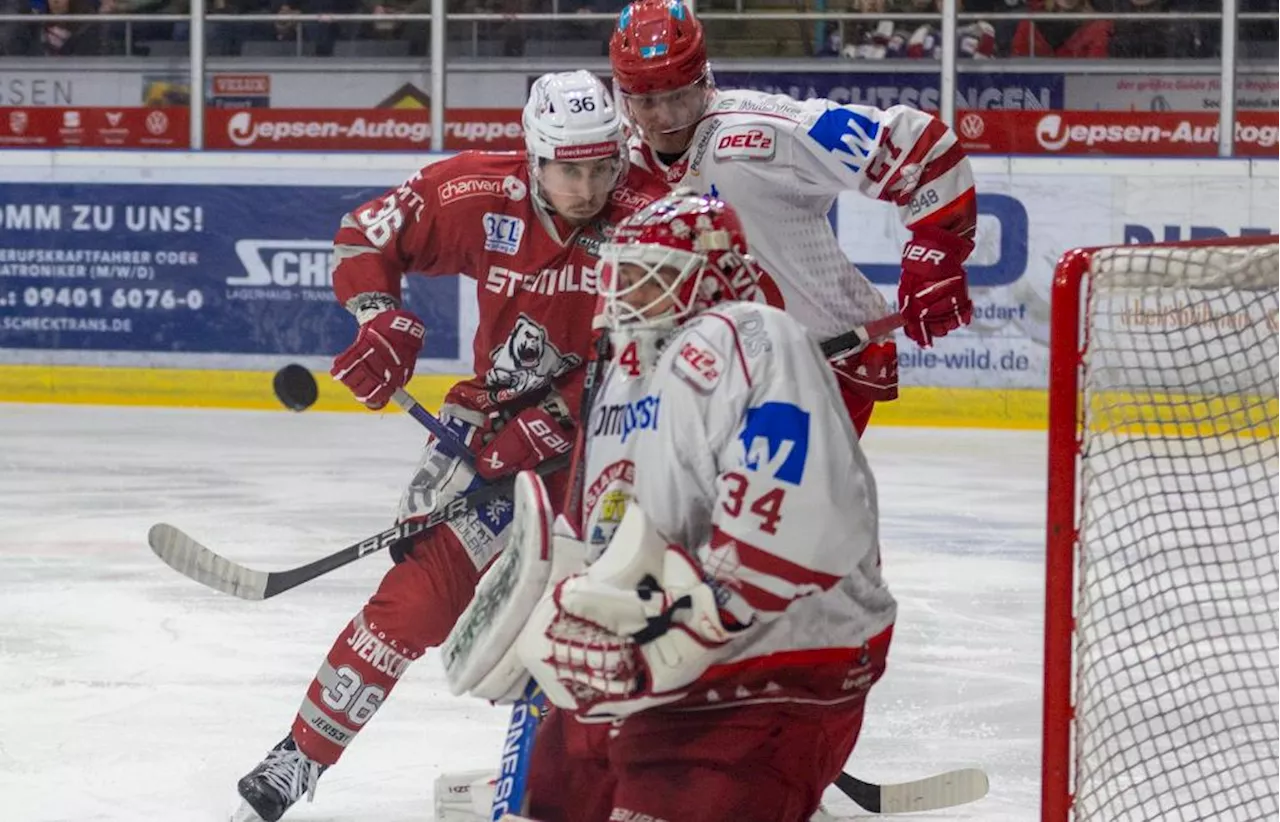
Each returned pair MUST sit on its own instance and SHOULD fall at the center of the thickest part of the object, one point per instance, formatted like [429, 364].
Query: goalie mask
[676, 257]
[575, 142]
[660, 71]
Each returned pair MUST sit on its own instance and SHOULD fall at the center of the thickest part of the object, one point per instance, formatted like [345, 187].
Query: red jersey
[475, 214]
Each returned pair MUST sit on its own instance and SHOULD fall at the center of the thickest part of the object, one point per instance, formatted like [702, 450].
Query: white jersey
[781, 163]
[737, 446]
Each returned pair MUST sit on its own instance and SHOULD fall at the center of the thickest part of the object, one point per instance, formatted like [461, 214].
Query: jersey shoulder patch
[629, 199]
[848, 134]
[747, 141]
[697, 361]
[746, 336]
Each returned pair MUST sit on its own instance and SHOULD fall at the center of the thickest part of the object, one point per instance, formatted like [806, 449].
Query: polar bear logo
[526, 361]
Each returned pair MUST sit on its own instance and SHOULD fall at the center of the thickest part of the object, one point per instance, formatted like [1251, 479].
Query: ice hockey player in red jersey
[712, 661]
[781, 162]
[526, 227]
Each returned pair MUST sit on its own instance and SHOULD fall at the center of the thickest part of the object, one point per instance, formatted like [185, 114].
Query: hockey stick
[944, 790]
[469, 793]
[191, 559]
[295, 387]
[932, 793]
[512, 783]
[188, 557]
[855, 339]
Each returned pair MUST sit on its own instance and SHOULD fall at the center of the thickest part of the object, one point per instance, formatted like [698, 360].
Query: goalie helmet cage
[1160, 677]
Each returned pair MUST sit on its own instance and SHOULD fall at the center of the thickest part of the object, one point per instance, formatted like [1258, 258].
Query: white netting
[1177, 588]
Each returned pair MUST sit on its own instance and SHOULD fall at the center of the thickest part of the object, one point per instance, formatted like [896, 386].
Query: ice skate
[280, 780]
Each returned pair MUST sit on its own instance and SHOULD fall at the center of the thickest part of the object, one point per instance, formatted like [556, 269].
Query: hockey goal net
[1162, 575]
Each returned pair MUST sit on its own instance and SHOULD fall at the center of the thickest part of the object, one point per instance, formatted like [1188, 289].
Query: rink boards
[188, 279]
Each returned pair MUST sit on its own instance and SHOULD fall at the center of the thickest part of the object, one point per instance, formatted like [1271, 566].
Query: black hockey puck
[295, 387]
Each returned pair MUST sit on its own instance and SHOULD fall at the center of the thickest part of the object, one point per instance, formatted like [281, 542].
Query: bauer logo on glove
[531, 437]
[383, 356]
[934, 292]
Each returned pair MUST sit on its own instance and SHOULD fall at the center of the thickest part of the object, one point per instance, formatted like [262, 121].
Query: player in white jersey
[712, 663]
[782, 162]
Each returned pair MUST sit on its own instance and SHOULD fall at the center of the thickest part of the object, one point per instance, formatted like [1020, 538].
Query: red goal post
[1160, 680]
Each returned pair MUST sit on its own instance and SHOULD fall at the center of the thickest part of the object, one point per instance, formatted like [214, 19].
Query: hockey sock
[361, 669]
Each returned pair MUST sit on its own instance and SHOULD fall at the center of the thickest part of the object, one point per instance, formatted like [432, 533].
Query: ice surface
[131, 693]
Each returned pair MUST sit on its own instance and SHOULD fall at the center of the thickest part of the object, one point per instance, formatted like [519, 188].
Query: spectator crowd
[887, 38]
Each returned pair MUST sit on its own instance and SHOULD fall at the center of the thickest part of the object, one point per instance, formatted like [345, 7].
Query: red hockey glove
[871, 373]
[529, 438]
[382, 357]
[933, 295]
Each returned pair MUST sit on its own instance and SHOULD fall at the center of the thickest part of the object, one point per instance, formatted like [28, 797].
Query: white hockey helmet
[571, 118]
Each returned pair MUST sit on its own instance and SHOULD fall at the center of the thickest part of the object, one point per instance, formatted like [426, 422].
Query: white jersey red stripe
[781, 163]
[756, 470]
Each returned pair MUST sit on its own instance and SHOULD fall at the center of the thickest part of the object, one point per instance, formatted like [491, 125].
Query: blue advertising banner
[215, 269]
[981, 91]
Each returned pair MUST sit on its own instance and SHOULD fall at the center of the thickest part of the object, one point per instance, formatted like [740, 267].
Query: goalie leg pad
[506, 593]
[479, 654]
[506, 681]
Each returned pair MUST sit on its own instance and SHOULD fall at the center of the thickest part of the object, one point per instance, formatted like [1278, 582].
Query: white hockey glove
[479, 654]
[634, 630]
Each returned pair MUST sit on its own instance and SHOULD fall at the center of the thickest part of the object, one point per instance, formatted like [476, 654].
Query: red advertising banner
[285, 129]
[54, 127]
[1114, 133]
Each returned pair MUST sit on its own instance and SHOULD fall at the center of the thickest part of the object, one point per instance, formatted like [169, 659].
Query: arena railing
[949, 67]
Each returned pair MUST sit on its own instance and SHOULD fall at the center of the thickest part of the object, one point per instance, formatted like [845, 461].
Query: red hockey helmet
[657, 46]
[673, 258]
